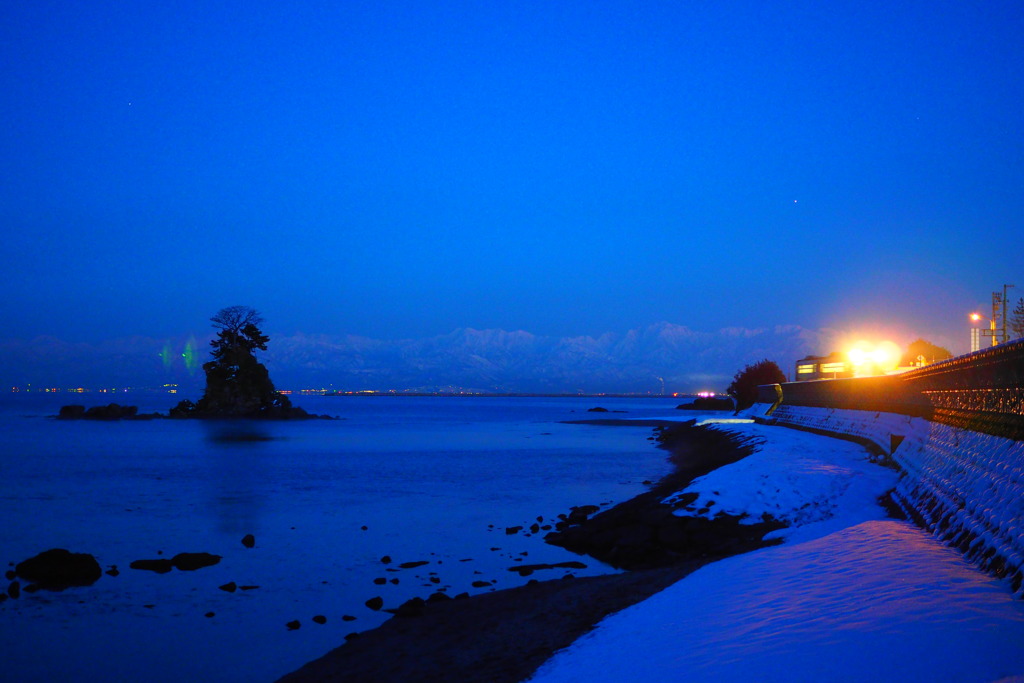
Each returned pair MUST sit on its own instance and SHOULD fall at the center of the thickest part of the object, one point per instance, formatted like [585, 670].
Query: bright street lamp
[977, 333]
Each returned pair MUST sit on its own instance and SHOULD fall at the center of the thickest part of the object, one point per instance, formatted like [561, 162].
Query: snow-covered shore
[850, 595]
[966, 487]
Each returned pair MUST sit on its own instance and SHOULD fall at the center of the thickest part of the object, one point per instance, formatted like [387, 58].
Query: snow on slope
[877, 601]
[795, 477]
[850, 596]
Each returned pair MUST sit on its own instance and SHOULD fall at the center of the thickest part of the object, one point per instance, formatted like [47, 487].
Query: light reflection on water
[237, 472]
[238, 431]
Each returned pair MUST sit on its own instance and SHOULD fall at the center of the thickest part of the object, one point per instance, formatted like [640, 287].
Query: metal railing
[981, 391]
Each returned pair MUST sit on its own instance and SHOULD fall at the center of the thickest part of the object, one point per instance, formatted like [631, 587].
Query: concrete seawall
[955, 430]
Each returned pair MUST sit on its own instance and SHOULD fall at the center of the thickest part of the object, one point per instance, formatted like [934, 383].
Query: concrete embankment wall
[957, 437]
[964, 486]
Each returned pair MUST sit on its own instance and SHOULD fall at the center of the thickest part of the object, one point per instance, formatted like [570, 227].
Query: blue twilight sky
[401, 169]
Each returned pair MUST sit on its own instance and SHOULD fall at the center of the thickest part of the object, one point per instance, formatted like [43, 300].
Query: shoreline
[504, 636]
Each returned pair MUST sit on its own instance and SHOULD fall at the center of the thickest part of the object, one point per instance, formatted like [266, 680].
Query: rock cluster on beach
[58, 569]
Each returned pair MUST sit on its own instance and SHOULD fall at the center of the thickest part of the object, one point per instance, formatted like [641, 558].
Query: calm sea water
[436, 479]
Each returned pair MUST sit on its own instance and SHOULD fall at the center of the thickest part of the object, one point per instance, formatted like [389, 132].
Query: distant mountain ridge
[661, 357]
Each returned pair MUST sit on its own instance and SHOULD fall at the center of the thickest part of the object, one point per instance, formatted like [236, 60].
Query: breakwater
[954, 429]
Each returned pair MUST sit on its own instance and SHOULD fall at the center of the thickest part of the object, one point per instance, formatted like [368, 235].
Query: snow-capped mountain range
[661, 358]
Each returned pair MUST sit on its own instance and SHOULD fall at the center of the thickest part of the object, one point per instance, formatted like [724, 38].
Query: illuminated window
[804, 369]
[833, 367]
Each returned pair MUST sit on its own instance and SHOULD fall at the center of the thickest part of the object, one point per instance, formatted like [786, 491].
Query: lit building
[862, 359]
[832, 366]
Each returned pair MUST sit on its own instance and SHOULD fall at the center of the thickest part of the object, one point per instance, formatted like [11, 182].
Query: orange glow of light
[975, 317]
[873, 359]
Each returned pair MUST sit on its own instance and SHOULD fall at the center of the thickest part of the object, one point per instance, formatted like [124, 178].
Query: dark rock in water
[708, 403]
[527, 569]
[375, 603]
[248, 540]
[293, 625]
[380, 581]
[386, 559]
[597, 409]
[72, 412]
[435, 579]
[229, 587]
[439, 596]
[347, 617]
[248, 588]
[58, 568]
[577, 516]
[113, 571]
[187, 562]
[209, 615]
[411, 608]
[413, 565]
[394, 581]
[320, 619]
[14, 590]
[112, 411]
[351, 636]
[581, 512]
[11, 575]
[480, 584]
[513, 530]
[3, 597]
[158, 566]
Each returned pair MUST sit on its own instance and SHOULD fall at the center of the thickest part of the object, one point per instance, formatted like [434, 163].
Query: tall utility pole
[993, 322]
[998, 323]
[1005, 338]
